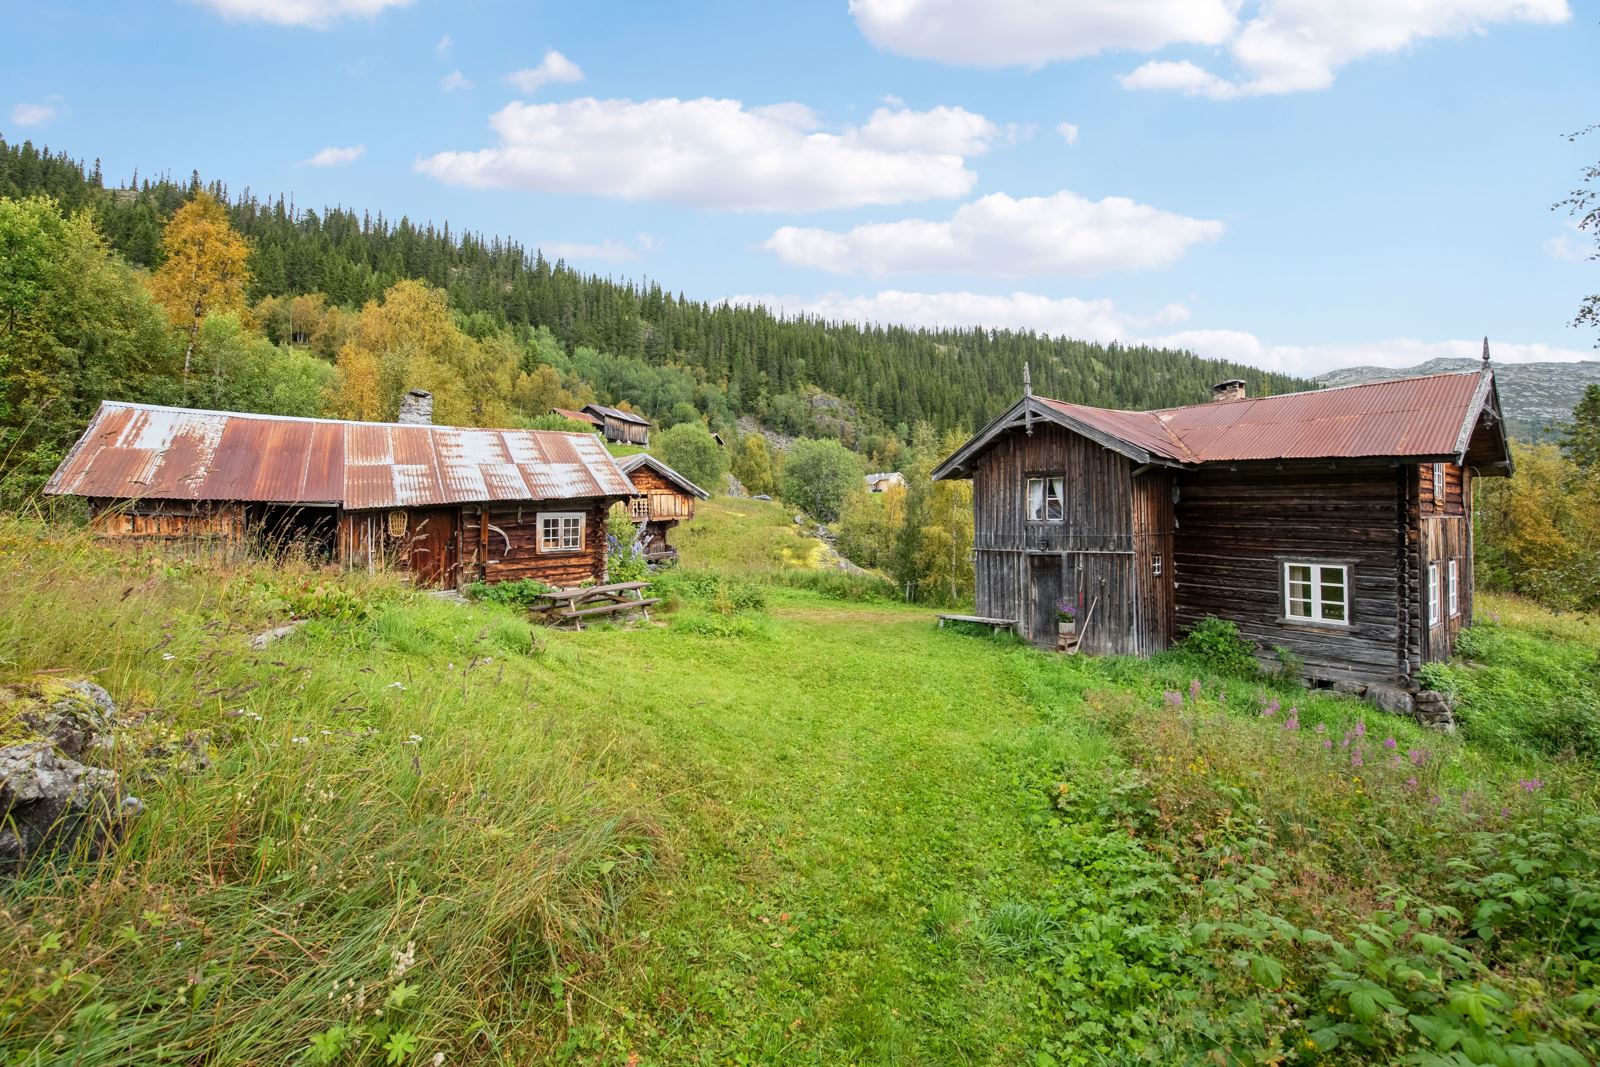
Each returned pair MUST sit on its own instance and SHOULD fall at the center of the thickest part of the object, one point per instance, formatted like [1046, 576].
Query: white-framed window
[1155, 565]
[1046, 498]
[1438, 487]
[1433, 594]
[1453, 589]
[1316, 593]
[560, 531]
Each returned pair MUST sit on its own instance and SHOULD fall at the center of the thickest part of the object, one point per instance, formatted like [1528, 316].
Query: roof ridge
[140, 406]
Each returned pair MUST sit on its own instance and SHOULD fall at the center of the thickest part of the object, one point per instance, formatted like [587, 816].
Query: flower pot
[1066, 629]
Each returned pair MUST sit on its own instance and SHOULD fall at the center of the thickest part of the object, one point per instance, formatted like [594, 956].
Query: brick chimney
[1232, 389]
[416, 408]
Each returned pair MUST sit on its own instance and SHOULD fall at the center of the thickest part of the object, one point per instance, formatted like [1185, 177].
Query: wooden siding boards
[1238, 528]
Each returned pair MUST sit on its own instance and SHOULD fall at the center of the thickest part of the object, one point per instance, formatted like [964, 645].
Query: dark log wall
[1454, 502]
[1090, 556]
[507, 549]
[1236, 528]
[632, 433]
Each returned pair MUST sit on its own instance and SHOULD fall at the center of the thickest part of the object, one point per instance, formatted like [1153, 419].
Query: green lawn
[818, 832]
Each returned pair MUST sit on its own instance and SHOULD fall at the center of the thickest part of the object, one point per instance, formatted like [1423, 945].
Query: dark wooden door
[431, 548]
[1045, 575]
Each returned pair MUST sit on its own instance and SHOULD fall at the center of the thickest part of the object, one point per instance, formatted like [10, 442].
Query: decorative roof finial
[1027, 380]
[1486, 351]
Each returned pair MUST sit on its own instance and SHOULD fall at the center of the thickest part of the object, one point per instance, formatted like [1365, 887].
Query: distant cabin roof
[576, 416]
[1438, 417]
[629, 464]
[615, 413]
[139, 451]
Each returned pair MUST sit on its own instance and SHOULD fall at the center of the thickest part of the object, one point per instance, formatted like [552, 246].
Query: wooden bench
[995, 625]
[606, 609]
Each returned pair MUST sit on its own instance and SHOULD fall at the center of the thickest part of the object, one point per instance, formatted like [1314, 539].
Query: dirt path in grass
[851, 798]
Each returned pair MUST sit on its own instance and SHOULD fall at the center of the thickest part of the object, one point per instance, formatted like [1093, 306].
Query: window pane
[1332, 593]
[1035, 498]
[1053, 510]
[1300, 609]
[1300, 572]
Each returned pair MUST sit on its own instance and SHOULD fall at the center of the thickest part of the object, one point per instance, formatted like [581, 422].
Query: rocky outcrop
[52, 804]
[50, 800]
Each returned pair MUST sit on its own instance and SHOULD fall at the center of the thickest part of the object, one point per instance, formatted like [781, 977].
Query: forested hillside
[744, 360]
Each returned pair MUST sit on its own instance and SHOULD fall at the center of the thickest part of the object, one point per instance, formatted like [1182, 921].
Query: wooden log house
[665, 499]
[1335, 524]
[448, 504]
[618, 426]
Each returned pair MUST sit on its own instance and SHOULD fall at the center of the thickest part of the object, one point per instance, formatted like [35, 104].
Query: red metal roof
[138, 451]
[1429, 416]
[576, 416]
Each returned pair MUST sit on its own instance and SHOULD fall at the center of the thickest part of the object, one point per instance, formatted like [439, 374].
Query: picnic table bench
[996, 625]
[581, 602]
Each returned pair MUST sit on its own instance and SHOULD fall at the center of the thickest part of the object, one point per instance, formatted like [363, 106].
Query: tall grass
[399, 844]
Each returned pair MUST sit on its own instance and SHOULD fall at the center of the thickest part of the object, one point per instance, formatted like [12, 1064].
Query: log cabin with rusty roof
[618, 426]
[1335, 524]
[665, 499]
[448, 504]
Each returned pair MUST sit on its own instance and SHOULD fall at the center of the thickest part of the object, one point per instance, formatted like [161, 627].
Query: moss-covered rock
[73, 714]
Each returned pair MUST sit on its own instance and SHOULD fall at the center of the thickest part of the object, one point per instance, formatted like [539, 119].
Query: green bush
[1218, 645]
[723, 594]
[521, 594]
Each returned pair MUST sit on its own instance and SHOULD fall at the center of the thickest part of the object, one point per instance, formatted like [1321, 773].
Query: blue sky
[1296, 183]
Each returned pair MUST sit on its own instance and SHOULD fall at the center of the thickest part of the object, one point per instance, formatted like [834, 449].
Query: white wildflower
[404, 960]
[395, 685]
[168, 655]
[438, 1059]
[300, 740]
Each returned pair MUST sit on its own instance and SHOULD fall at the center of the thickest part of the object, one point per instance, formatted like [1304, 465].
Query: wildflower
[395, 685]
[1417, 756]
[168, 656]
[1328, 744]
[327, 733]
[300, 740]
[1293, 721]
[1531, 785]
[1322, 728]
[1172, 697]
[1411, 783]
[438, 1059]
[1194, 689]
[1390, 743]
[403, 960]
[1355, 758]
[1361, 729]
[414, 739]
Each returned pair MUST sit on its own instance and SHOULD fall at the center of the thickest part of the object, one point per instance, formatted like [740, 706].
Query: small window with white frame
[1316, 593]
[1046, 499]
[561, 531]
[1438, 487]
[1452, 588]
[1433, 594]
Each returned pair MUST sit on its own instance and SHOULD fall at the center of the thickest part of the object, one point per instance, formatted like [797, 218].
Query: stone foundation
[1429, 707]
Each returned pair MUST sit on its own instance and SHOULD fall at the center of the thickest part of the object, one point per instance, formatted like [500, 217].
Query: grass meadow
[788, 822]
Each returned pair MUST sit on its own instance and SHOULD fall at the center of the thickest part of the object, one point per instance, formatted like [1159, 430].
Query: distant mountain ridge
[1538, 397]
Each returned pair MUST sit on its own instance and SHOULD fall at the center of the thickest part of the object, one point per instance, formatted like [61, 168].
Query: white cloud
[1002, 33]
[1102, 320]
[554, 67]
[335, 157]
[37, 114]
[1573, 246]
[445, 44]
[454, 81]
[318, 14]
[720, 154]
[1001, 236]
[604, 252]
[1299, 45]
[1069, 130]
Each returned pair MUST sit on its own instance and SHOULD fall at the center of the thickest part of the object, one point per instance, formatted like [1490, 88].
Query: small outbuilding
[883, 481]
[621, 427]
[449, 504]
[1335, 524]
[665, 499]
[578, 416]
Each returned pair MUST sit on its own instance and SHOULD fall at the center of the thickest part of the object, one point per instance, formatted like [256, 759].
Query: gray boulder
[49, 804]
[1389, 698]
[74, 714]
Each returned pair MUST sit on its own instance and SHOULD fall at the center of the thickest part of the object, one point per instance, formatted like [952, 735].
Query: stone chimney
[1232, 389]
[416, 408]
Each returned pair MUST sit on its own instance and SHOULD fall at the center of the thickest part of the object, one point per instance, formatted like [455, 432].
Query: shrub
[521, 594]
[818, 476]
[1218, 644]
[838, 585]
[689, 449]
[625, 560]
[724, 594]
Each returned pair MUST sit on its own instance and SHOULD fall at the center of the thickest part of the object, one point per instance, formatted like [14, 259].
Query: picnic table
[582, 602]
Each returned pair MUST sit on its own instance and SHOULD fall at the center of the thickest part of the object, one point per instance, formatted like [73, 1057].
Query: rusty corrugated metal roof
[1400, 417]
[136, 451]
[618, 413]
[576, 416]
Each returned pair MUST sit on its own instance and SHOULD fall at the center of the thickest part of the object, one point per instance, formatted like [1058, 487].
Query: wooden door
[1045, 575]
[431, 547]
